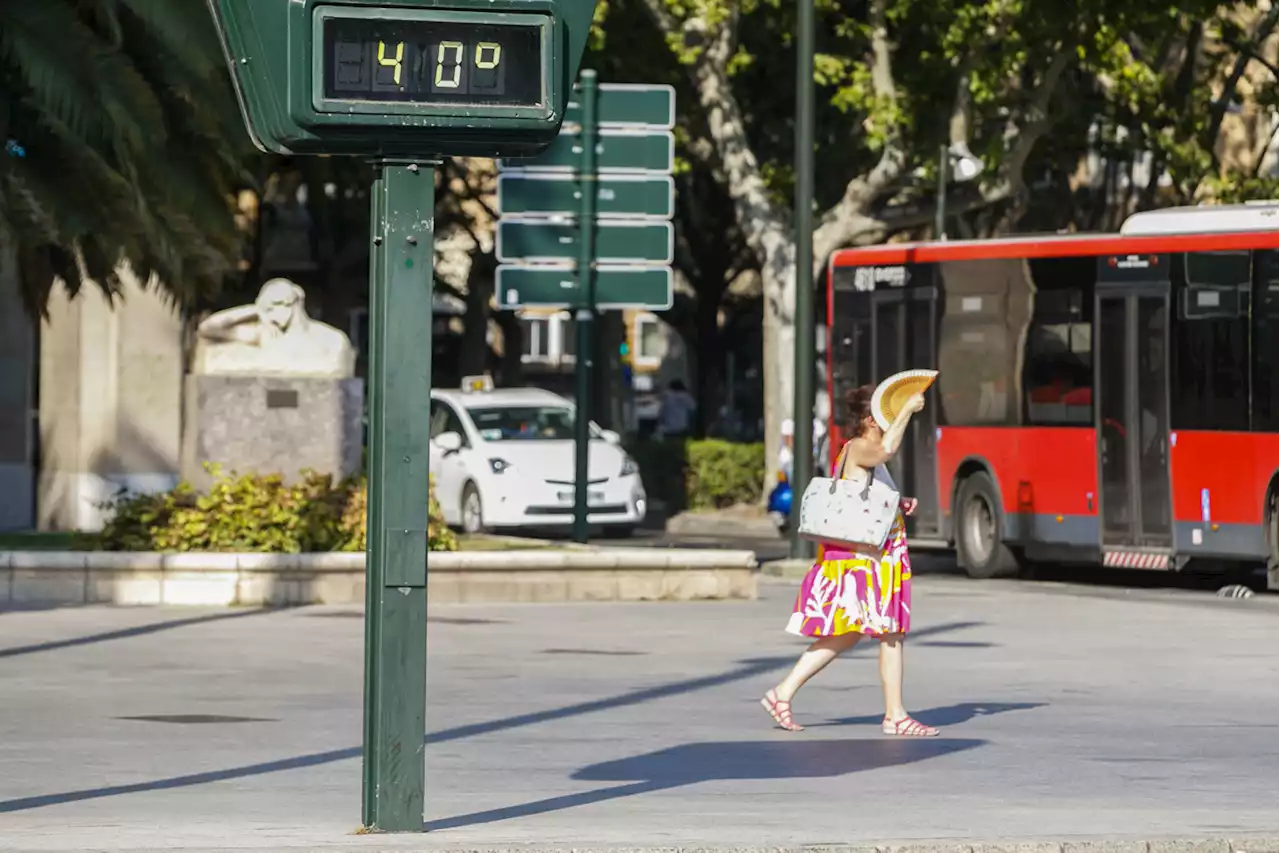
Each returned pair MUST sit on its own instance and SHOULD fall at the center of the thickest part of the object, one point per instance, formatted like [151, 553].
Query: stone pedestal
[272, 425]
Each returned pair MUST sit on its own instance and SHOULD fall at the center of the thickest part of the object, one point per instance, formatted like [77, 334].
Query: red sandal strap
[909, 726]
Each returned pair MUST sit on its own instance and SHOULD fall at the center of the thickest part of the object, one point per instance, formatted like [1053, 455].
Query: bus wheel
[979, 531]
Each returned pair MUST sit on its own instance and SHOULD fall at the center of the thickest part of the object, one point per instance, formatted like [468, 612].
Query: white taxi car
[505, 458]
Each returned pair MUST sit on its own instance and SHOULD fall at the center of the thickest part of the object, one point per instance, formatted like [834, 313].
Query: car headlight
[629, 466]
[500, 466]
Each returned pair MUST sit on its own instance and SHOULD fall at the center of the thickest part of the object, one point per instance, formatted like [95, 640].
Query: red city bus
[1104, 398]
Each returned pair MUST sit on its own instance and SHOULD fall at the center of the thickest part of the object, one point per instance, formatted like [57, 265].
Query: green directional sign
[616, 241]
[628, 105]
[558, 287]
[632, 196]
[616, 150]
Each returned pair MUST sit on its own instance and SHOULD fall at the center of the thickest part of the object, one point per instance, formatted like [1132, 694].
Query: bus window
[1058, 362]
[1265, 345]
[986, 305]
[850, 344]
[1210, 371]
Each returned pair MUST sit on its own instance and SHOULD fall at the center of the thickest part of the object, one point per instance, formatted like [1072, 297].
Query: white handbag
[858, 512]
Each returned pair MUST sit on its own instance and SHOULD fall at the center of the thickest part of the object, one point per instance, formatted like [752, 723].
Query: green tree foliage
[1038, 91]
[132, 145]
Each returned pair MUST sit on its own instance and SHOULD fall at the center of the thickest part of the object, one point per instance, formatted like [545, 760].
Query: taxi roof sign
[477, 384]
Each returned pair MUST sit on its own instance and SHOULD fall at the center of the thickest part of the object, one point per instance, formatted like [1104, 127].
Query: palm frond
[134, 145]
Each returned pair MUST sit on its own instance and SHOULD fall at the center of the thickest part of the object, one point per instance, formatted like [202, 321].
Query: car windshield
[524, 423]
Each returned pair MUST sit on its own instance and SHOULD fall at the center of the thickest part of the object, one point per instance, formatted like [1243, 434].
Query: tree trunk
[511, 368]
[474, 357]
[707, 353]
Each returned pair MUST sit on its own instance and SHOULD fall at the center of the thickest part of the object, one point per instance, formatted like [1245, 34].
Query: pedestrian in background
[865, 592]
[675, 416]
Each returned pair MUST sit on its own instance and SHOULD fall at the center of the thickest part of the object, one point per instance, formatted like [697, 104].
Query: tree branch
[762, 223]
[1038, 120]
[1217, 112]
[958, 128]
[849, 216]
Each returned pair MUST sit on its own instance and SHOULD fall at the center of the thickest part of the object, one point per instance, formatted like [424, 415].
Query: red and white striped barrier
[1135, 560]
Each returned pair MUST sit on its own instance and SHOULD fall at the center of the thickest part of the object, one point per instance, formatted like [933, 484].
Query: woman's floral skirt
[846, 592]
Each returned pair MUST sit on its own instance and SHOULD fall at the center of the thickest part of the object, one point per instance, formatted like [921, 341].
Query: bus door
[1132, 377]
[903, 324]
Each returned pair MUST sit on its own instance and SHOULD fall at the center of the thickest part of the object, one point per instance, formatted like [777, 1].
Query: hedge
[253, 513]
[700, 474]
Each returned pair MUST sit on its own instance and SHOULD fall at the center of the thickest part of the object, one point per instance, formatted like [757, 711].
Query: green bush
[253, 513]
[700, 474]
[724, 473]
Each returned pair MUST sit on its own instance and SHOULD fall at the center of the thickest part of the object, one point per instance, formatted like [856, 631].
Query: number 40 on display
[448, 61]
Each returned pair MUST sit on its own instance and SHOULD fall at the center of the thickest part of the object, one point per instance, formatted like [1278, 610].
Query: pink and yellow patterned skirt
[847, 593]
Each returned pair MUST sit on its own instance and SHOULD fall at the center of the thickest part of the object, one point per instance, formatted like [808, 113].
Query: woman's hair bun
[857, 404]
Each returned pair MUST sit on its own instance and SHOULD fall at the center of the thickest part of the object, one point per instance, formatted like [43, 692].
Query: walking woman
[864, 592]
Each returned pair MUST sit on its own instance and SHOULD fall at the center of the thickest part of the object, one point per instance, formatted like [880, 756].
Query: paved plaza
[1068, 713]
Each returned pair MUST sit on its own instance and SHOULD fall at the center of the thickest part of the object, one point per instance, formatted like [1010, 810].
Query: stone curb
[338, 561]
[459, 577]
[403, 844]
[790, 569]
[715, 524]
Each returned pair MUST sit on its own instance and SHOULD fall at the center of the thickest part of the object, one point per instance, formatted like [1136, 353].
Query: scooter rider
[786, 451]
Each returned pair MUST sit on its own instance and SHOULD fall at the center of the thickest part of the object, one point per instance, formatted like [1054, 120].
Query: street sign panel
[539, 240]
[628, 105]
[630, 196]
[617, 286]
[616, 151]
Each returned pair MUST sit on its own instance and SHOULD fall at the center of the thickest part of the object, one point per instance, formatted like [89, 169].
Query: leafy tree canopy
[131, 145]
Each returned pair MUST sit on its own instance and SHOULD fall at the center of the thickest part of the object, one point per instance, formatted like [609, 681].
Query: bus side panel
[1047, 477]
[1231, 471]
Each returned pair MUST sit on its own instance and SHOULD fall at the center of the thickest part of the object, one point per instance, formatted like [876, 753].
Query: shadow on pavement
[135, 631]
[712, 762]
[956, 644]
[746, 669]
[948, 715]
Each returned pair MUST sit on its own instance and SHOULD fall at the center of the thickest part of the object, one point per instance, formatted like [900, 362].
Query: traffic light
[401, 78]
[624, 353]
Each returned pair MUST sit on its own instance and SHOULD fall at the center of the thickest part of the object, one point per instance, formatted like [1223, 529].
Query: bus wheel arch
[1272, 520]
[979, 524]
[969, 466]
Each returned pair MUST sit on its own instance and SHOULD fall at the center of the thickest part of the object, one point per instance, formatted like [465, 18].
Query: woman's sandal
[780, 711]
[907, 727]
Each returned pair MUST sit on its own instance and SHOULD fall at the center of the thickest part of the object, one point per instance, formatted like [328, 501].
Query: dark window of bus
[1265, 345]
[986, 304]
[1057, 379]
[850, 339]
[1210, 369]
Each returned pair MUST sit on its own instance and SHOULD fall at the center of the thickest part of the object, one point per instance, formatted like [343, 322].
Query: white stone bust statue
[272, 337]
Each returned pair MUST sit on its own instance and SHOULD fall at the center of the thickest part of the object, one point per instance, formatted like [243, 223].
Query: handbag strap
[842, 465]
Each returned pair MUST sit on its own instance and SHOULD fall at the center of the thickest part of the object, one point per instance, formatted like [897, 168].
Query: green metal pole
[400, 284]
[586, 314]
[944, 168]
[804, 366]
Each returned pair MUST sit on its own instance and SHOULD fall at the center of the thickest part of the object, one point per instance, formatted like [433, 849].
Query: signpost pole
[400, 283]
[802, 466]
[585, 317]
